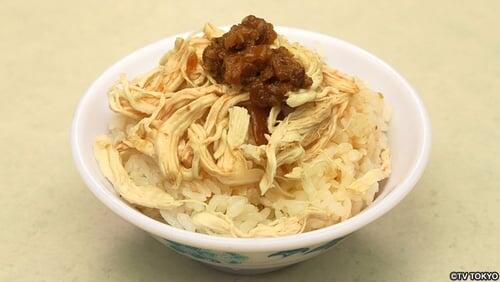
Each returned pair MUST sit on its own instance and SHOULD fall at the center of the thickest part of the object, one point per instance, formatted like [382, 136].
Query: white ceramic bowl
[410, 139]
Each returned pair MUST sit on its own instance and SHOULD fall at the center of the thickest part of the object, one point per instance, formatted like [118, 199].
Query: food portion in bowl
[245, 134]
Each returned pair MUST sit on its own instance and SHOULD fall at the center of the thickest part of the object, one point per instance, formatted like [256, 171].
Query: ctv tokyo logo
[474, 276]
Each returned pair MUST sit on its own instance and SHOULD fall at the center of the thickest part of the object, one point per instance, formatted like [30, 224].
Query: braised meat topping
[243, 57]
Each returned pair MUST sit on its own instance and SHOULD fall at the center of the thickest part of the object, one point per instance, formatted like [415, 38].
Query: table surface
[53, 229]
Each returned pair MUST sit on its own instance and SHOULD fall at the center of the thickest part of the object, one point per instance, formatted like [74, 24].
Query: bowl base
[246, 271]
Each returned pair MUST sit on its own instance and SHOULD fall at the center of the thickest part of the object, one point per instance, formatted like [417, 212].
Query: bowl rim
[256, 244]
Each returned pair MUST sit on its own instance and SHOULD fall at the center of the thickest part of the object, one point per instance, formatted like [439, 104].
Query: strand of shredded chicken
[180, 149]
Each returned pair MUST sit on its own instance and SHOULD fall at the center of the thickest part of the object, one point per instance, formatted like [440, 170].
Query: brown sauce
[243, 57]
[258, 118]
[191, 63]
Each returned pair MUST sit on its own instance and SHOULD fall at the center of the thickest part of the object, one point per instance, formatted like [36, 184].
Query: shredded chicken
[181, 150]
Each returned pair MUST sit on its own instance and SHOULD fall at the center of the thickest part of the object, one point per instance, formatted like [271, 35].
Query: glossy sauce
[244, 57]
[191, 63]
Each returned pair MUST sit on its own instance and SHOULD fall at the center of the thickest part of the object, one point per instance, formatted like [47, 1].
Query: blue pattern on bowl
[288, 253]
[207, 255]
[236, 258]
